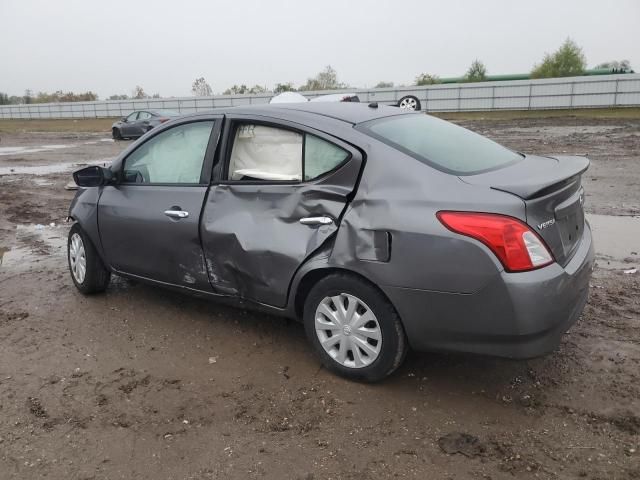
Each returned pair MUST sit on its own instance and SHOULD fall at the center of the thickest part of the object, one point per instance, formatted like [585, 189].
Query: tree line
[569, 60]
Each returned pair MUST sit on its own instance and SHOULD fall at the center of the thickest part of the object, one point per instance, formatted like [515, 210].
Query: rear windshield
[440, 144]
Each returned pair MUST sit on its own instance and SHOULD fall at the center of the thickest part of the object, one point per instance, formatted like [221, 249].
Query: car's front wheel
[115, 132]
[354, 329]
[409, 103]
[87, 270]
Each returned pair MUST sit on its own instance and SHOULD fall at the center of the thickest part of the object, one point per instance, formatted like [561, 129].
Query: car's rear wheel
[87, 270]
[354, 329]
[116, 134]
[409, 102]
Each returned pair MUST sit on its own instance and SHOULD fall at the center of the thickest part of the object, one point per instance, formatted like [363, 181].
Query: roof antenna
[373, 105]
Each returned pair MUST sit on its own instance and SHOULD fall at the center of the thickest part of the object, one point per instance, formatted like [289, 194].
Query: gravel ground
[143, 383]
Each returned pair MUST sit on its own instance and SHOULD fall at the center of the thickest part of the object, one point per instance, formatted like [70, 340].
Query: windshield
[440, 144]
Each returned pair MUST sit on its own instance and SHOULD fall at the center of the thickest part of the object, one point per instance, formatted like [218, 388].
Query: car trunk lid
[551, 188]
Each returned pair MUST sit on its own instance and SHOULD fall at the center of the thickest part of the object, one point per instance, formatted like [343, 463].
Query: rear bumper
[517, 315]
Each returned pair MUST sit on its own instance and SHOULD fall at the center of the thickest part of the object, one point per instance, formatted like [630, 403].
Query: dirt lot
[140, 383]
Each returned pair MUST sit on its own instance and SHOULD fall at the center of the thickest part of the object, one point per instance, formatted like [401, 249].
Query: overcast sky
[112, 46]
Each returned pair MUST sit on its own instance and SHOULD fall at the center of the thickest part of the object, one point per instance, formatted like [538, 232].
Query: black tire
[393, 339]
[96, 277]
[116, 134]
[409, 102]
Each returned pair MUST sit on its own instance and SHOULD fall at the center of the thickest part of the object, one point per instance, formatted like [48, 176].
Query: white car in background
[408, 102]
[295, 97]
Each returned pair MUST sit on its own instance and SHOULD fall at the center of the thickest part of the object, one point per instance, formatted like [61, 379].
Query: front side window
[264, 153]
[440, 144]
[173, 156]
[132, 117]
[144, 116]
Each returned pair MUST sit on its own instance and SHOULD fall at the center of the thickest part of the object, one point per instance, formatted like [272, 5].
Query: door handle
[316, 220]
[176, 213]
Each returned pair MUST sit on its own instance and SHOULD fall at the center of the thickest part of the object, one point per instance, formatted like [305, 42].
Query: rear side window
[321, 156]
[271, 154]
[440, 144]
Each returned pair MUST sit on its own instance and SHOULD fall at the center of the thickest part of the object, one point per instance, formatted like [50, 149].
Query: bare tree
[284, 87]
[427, 79]
[200, 88]
[325, 80]
[623, 65]
[138, 92]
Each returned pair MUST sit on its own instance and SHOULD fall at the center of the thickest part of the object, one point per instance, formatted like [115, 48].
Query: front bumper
[517, 315]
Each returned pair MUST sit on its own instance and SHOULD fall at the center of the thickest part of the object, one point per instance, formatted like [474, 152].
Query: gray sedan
[380, 229]
[140, 122]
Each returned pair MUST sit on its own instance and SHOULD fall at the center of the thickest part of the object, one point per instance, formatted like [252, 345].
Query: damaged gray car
[382, 230]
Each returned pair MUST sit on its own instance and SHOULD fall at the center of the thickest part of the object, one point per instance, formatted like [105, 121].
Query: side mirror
[93, 176]
[123, 119]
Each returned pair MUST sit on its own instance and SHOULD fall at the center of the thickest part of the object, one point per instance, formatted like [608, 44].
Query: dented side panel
[252, 235]
[84, 210]
[139, 239]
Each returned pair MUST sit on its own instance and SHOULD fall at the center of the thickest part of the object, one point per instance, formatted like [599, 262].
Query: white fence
[572, 92]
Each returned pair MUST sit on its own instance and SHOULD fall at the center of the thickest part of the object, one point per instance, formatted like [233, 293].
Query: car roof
[349, 112]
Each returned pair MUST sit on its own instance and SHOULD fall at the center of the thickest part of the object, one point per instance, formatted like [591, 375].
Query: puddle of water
[34, 243]
[48, 148]
[53, 168]
[36, 149]
[3, 250]
[615, 239]
[563, 130]
[96, 142]
[42, 182]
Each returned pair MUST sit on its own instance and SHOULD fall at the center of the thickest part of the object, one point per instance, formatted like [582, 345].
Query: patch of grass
[63, 125]
[632, 113]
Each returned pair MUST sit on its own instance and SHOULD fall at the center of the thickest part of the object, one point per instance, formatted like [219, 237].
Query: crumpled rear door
[253, 237]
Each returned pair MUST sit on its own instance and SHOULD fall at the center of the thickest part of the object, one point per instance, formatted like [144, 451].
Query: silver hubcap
[408, 103]
[348, 330]
[77, 258]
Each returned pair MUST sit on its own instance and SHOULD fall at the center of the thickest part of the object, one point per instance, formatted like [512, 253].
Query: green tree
[384, 84]
[118, 97]
[28, 96]
[284, 87]
[427, 79]
[236, 89]
[200, 88]
[257, 89]
[327, 79]
[477, 72]
[567, 61]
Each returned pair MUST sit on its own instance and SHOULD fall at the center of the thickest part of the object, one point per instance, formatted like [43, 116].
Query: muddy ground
[140, 383]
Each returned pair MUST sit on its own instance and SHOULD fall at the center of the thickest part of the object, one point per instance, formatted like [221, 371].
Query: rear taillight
[163, 119]
[512, 241]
